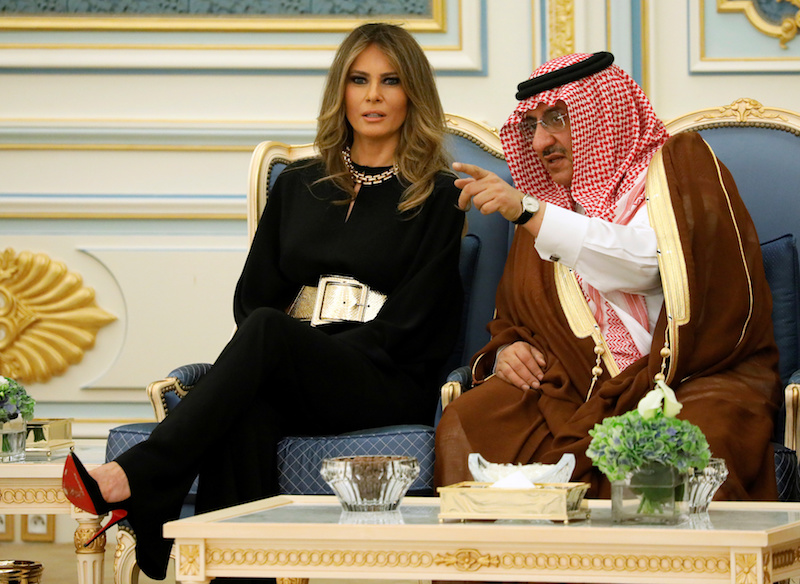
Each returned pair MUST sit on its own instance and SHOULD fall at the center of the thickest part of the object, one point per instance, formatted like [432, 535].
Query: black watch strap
[523, 219]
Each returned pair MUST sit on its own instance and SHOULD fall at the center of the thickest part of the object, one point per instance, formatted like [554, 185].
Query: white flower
[3, 381]
[651, 403]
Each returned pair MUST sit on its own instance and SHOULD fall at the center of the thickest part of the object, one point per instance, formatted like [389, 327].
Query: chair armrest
[463, 375]
[179, 382]
[189, 375]
[459, 381]
[791, 393]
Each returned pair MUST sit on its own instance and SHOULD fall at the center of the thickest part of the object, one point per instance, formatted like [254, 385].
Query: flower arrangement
[650, 434]
[650, 452]
[14, 401]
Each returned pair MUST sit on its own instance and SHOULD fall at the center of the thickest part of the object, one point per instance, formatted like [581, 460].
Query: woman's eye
[391, 80]
[358, 79]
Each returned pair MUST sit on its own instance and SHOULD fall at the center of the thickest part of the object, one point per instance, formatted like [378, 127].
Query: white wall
[136, 177]
[675, 90]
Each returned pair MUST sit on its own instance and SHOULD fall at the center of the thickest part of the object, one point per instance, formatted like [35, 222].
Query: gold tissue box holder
[47, 435]
[551, 501]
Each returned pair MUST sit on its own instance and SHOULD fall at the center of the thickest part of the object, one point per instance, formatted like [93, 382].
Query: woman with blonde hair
[376, 210]
[420, 154]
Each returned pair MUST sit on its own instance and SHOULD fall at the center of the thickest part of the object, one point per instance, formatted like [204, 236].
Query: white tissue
[516, 480]
[488, 472]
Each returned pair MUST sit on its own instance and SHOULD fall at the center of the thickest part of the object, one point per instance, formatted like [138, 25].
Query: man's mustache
[554, 149]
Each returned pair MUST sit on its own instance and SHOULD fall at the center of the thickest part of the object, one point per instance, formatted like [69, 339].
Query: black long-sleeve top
[411, 257]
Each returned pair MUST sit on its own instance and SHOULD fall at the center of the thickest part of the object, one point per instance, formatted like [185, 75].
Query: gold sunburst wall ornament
[48, 318]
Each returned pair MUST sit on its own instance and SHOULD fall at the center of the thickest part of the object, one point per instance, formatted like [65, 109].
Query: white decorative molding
[196, 149]
[143, 16]
[457, 49]
[116, 206]
[171, 291]
[764, 54]
[99, 134]
[784, 32]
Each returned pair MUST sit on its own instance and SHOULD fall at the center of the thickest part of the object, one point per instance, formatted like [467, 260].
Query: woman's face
[375, 101]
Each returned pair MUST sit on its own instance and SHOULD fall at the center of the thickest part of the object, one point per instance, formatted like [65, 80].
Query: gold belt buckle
[329, 306]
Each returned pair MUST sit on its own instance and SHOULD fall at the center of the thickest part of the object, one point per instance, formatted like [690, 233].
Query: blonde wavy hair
[420, 154]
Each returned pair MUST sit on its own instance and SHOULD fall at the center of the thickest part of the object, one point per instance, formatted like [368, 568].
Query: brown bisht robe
[724, 359]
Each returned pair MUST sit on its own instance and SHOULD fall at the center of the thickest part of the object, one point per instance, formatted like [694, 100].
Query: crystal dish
[370, 483]
[703, 484]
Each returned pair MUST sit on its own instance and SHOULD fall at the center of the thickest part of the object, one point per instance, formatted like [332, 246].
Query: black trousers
[276, 377]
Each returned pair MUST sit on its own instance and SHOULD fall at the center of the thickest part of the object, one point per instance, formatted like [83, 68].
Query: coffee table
[310, 536]
[34, 486]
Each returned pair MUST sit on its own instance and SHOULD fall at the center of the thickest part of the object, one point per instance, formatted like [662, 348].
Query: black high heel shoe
[84, 492]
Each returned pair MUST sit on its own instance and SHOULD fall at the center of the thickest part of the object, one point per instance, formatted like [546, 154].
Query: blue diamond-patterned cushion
[300, 457]
[123, 437]
[786, 473]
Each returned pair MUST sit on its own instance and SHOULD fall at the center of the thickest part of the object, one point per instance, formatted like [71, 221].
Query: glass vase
[650, 494]
[12, 440]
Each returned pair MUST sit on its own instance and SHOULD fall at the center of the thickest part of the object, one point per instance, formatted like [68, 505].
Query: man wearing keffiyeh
[634, 260]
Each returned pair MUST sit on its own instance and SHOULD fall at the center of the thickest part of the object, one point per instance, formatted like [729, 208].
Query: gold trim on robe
[579, 315]
[671, 261]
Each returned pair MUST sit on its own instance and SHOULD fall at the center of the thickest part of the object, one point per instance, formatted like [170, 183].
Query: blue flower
[14, 401]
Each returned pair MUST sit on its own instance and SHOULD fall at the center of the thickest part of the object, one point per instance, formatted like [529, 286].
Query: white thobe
[611, 258]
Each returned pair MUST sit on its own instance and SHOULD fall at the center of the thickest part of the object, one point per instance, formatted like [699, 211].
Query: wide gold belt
[336, 299]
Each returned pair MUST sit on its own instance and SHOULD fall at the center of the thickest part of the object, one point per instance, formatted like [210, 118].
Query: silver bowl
[370, 483]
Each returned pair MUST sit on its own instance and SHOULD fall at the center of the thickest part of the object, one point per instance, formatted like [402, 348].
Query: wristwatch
[530, 205]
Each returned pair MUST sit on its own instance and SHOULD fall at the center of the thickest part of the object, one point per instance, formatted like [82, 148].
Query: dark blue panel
[765, 164]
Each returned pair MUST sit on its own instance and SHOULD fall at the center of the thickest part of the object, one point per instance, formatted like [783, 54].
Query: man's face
[553, 146]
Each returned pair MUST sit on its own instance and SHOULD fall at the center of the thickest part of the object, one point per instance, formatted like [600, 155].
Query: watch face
[530, 204]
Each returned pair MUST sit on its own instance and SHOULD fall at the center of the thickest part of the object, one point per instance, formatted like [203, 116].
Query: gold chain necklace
[367, 179]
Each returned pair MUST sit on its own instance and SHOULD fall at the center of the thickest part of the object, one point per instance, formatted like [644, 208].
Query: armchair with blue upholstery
[483, 254]
[761, 148]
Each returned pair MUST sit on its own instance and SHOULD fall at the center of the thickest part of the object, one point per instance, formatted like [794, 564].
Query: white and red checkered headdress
[614, 131]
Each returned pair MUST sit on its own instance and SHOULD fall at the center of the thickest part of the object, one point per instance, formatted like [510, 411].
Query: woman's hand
[520, 364]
